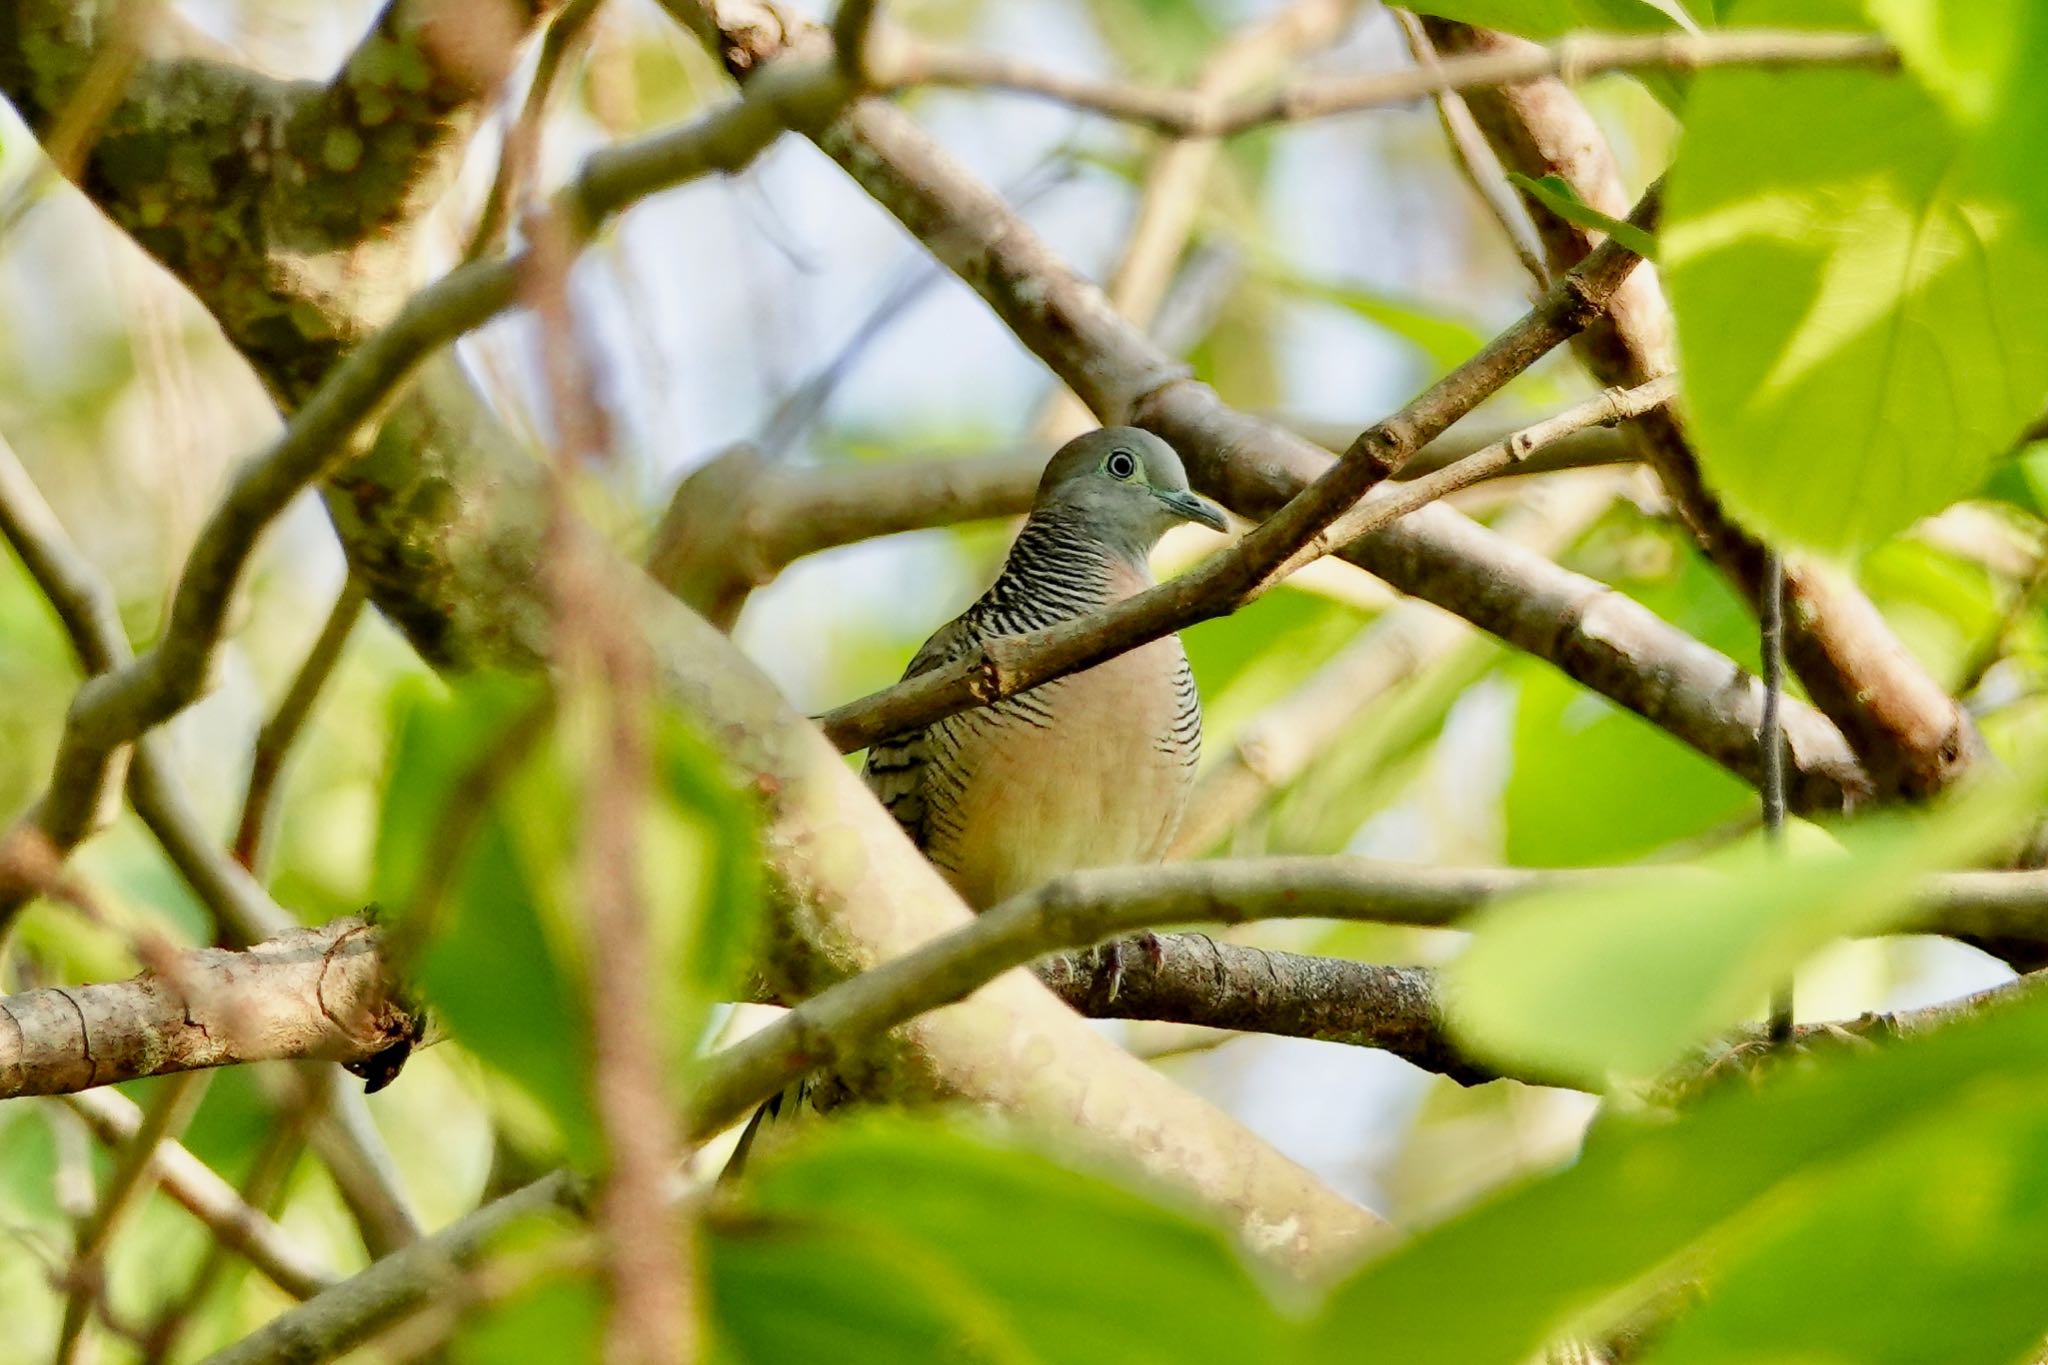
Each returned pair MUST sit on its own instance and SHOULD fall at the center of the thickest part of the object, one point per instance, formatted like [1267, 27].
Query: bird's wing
[897, 768]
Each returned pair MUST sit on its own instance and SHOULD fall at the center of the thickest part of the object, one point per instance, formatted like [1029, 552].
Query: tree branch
[1277, 745]
[348, 1142]
[1599, 637]
[1193, 979]
[275, 739]
[327, 992]
[443, 519]
[1193, 113]
[194, 1186]
[347, 1315]
[1911, 737]
[308, 993]
[117, 705]
[1307, 527]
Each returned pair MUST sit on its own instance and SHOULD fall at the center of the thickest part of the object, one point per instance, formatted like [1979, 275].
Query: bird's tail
[780, 1108]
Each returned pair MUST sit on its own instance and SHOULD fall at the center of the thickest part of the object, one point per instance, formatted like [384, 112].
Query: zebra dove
[1089, 770]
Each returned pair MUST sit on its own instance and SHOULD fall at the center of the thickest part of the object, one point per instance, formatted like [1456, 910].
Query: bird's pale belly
[1091, 784]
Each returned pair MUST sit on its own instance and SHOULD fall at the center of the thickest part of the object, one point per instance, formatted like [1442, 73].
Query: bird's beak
[1188, 507]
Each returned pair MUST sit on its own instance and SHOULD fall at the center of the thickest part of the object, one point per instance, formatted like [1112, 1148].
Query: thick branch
[309, 993]
[326, 992]
[1598, 637]
[443, 520]
[1193, 979]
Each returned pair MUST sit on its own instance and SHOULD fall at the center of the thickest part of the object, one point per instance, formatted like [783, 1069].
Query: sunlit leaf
[1590, 983]
[1862, 298]
[502, 987]
[561, 1317]
[805, 1290]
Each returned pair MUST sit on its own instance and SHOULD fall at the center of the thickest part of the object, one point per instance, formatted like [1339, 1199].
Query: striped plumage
[1089, 770]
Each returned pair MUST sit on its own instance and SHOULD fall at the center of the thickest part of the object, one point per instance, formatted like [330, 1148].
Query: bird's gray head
[1123, 486]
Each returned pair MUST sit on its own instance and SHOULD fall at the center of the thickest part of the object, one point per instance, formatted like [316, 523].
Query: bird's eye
[1122, 464]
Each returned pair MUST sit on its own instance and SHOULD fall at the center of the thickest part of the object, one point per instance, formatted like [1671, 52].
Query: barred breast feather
[1088, 770]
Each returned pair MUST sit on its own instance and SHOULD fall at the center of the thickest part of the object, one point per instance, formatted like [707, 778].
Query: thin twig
[516, 159]
[1304, 529]
[261, 1191]
[1184, 113]
[1274, 748]
[1770, 735]
[348, 1142]
[275, 739]
[135, 1173]
[1476, 161]
[334, 1322]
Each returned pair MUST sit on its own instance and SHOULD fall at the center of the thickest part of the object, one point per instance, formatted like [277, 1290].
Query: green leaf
[1076, 1269]
[1580, 763]
[1557, 195]
[1934, 1248]
[1862, 295]
[439, 734]
[2022, 481]
[792, 1291]
[1573, 1251]
[559, 1318]
[506, 991]
[1588, 984]
[704, 818]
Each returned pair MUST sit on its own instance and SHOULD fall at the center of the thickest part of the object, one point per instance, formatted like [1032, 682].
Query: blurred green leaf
[711, 838]
[810, 1291]
[505, 990]
[1934, 1248]
[1247, 660]
[1074, 1268]
[1619, 980]
[1939, 604]
[504, 957]
[1557, 195]
[1861, 292]
[1581, 764]
[439, 736]
[1444, 340]
[2022, 481]
[1575, 793]
[561, 1317]
[1575, 1251]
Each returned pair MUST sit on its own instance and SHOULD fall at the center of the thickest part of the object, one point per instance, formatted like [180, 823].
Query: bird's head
[1125, 486]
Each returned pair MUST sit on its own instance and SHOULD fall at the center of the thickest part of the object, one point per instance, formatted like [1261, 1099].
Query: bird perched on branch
[1089, 770]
